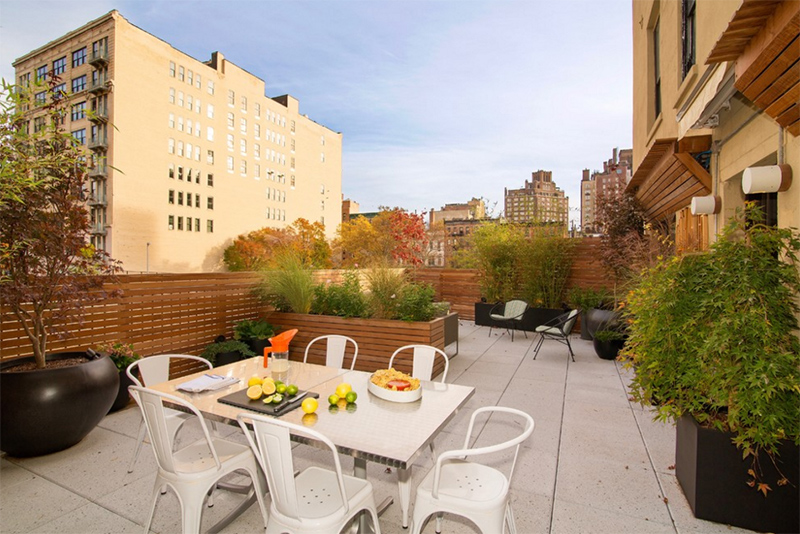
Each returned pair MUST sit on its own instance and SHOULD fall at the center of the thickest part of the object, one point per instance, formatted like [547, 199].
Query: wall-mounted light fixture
[768, 179]
[706, 205]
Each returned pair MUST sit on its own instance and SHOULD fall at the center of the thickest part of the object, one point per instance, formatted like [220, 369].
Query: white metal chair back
[476, 491]
[155, 369]
[155, 418]
[336, 350]
[423, 360]
[290, 493]
[572, 318]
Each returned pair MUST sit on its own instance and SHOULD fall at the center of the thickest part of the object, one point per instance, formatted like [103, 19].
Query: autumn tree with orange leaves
[256, 250]
[393, 237]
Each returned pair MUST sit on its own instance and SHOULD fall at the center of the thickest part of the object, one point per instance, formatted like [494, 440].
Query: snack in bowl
[395, 386]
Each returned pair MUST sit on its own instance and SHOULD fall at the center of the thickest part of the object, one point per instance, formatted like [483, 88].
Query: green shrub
[232, 345]
[714, 335]
[344, 300]
[253, 329]
[586, 298]
[415, 303]
[385, 284]
[545, 264]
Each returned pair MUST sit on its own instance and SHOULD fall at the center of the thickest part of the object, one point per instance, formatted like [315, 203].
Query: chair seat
[462, 481]
[549, 330]
[195, 460]
[318, 494]
[497, 317]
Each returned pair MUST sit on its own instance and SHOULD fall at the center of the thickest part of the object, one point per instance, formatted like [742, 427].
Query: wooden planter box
[377, 338]
[713, 477]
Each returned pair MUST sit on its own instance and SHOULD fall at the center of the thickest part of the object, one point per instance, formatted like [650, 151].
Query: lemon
[310, 419]
[310, 405]
[343, 389]
[254, 392]
[254, 381]
[351, 397]
[333, 399]
[268, 387]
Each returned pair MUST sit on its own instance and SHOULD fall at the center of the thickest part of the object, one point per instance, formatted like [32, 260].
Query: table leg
[404, 486]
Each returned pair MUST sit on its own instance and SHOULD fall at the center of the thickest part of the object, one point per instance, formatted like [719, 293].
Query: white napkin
[208, 383]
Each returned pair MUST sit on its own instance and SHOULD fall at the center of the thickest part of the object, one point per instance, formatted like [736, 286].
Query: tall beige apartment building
[539, 202]
[186, 154]
[615, 176]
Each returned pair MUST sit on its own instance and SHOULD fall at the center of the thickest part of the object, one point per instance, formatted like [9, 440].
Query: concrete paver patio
[596, 462]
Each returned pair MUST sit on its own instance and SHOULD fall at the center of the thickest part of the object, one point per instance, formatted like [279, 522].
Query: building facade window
[197, 225]
[171, 172]
[171, 222]
[257, 109]
[180, 73]
[231, 97]
[244, 103]
[79, 84]
[171, 95]
[79, 57]
[172, 69]
[210, 157]
[41, 73]
[180, 198]
[210, 87]
[210, 111]
[656, 71]
[80, 136]
[210, 226]
[210, 180]
[171, 196]
[230, 163]
[190, 77]
[688, 38]
[231, 121]
[60, 65]
[180, 223]
[78, 111]
[210, 203]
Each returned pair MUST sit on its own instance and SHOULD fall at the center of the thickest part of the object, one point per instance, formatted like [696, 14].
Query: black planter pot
[258, 345]
[608, 350]
[584, 330]
[224, 358]
[599, 319]
[123, 397]
[533, 316]
[713, 476]
[46, 411]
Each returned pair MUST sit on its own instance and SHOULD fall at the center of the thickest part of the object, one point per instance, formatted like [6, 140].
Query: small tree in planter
[50, 273]
[713, 336]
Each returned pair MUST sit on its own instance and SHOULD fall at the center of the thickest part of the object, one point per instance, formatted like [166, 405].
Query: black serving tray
[241, 400]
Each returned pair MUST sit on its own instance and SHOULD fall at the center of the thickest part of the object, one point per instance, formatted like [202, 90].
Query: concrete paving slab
[28, 505]
[89, 519]
[572, 517]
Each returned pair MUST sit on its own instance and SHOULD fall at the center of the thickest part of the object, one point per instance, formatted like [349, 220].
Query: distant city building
[449, 227]
[186, 155]
[540, 202]
[616, 174]
[349, 207]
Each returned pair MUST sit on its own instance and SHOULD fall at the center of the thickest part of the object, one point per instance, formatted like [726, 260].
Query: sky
[439, 101]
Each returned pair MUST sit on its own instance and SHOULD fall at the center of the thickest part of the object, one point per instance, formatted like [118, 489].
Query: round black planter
[123, 397]
[258, 346]
[49, 410]
[584, 328]
[599, 319]
[608, 350]
[224, 358]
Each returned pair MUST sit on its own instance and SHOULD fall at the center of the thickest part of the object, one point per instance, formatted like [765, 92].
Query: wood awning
[763, 38]
[669, 176]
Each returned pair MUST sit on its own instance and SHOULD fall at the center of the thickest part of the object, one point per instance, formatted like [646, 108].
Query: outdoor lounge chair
[558, 329]
[510, 316]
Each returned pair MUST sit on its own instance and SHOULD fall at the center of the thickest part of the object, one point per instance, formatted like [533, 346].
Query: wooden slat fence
[182, 313]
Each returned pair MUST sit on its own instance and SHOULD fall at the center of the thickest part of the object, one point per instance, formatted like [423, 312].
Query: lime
[277, 398]
[310, 405]
[333, 399]
[352, 407]
[343, 389]
[268, 400]
[280, 388]
[278, 383]
[292, 390]
[351, 397]
[254, 392]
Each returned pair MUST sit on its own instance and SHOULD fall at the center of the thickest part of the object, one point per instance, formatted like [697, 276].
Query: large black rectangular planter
[533, 316]
[714, 479]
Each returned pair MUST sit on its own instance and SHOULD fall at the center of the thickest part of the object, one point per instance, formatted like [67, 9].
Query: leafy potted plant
[496, 251]
[227, 351]
[713, 339]
[586, 299]
[122, 354]
[545, 263]
[608, 342]
[254, 332]
[49, 273]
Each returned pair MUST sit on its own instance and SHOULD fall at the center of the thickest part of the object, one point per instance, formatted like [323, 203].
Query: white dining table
[371, 430]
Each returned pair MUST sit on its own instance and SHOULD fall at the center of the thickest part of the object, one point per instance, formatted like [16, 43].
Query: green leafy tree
[50, 271]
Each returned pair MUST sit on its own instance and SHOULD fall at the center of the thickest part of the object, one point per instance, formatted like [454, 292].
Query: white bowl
[394, 396]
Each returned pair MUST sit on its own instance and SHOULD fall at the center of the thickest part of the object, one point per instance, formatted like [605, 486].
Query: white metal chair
[193, 470]
[317, 500]
[335, 351]
[423, 361]
[154, 370]
[511, 316]
[559, 329]
[472, 490]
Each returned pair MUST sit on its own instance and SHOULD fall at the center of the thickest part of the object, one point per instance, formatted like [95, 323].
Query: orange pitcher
[280, 351]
